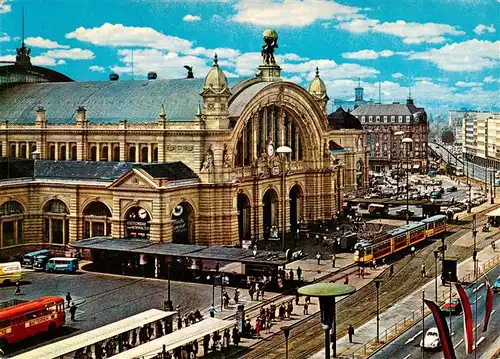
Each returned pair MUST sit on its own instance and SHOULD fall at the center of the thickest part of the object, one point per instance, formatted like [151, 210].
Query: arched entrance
[244, 217]
[11, 223]
[270, 212]
[56, 222]
[183, 224]
[359, 174]
[296, 196]
[137, 223]
[97, 219]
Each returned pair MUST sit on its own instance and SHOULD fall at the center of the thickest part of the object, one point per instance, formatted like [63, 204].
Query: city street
[408, 344]
[102, 299]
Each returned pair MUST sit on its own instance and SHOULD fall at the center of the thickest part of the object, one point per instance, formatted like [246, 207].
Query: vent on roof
[152, 75]
[113, 76]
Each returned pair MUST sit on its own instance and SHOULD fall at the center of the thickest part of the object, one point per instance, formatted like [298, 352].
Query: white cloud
[491, 79]
[44, 43]
[72, 54]
[468, 84]
[397, 75]
[222, 52]
[368, 54]
[4, 7]
[480, 29]
[43, 60]
[61, 62]
[289, 13]
[410, 32]
[119, 35]
[165, 64]
[471, 55]
[191, 18]
[4, 37]
[96, 68]
[7, 58]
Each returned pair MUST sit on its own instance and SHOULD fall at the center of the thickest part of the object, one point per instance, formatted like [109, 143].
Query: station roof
[230, 254]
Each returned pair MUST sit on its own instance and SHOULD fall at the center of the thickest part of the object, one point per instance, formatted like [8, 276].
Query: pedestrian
[317, 238]
[412, 252]
[307, 299]
[391, 270]
[297, 296]
[251, 292]
[363, 272]
[291, 275]
[333, 261]
[423, 270]
[227, 338]
[212, 311]
[72, 311]
[17, 291]
[306, 307]
[350, 331]
[179, 322]
[346, 279]
[236, 335]
[195, 348]
[217, 267]
[206, 344]
[68, 298]
[318, 257]
[257, 327]
[374, 264]
[493, 245]
[236, 295]
[299, 270]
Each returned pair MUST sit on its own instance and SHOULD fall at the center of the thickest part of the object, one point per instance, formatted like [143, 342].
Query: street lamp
[436, 254]
[398, 133]
[377, 287]
[169, 305]
[492, 195]
[407, 141]
[286, 332]
[283, 151]
[327, 292]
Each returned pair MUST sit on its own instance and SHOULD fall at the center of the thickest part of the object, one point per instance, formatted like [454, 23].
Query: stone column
[56, 151]
[150, 152]
[68, 151]
[137, 152]
[17, 149]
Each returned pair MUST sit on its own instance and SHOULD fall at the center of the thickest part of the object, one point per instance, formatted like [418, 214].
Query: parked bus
[62, 264]
[31, 318]
[30, 258]
[40, 262]
[10, 272]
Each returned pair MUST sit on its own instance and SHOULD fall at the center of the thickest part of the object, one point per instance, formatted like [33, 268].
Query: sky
[446, 51]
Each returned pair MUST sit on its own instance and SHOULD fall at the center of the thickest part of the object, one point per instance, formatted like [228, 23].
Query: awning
[494, 213]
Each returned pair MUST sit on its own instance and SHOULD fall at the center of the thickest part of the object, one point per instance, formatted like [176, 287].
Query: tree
[448, 137]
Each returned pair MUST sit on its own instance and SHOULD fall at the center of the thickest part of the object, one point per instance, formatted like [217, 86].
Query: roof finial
[216, 60]
[359, 81]
[162, 111]
[317, 71]
[409, 92]
[198, 110]
[22, 25]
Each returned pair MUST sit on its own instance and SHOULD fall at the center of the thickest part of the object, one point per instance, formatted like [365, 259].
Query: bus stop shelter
[176, 339]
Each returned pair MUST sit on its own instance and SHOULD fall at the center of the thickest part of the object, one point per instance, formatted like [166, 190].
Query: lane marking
[478, 287]
[406, 357]
[477, 326]
[474, 302]
[478, 342]
[413, 338]
[460, 342]
[493, 311]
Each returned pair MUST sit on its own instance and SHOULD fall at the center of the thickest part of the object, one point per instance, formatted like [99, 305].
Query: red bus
[31, 318]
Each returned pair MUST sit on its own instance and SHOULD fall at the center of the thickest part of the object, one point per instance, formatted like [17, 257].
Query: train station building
[191, 161]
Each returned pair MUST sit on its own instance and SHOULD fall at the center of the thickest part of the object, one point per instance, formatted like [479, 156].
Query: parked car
[451, 189]
[436, 195]
[431, 339]
[402, 213]
[62, 264]
[452, 305]
[496, 285]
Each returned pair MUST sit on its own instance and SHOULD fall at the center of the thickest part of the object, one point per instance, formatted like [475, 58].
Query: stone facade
[231, 143]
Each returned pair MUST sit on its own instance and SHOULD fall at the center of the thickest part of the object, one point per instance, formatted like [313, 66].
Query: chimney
[152, 75]
[40, 120]
[81, 115]
[113, 76]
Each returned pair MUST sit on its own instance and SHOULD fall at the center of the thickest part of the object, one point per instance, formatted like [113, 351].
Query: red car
[454, 306]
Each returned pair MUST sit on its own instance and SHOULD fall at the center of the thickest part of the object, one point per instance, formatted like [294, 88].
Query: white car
[431, 339]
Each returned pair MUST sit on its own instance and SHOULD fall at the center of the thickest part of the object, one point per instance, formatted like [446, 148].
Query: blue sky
[447, 51]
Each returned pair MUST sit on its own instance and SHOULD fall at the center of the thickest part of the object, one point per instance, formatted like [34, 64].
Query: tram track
[306, 336]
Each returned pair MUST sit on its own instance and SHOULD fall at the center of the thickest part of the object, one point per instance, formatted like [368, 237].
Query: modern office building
[480, 134]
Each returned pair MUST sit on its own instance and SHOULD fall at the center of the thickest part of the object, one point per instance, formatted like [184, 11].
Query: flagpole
[451, 329]
[474, 259]
[423, 323]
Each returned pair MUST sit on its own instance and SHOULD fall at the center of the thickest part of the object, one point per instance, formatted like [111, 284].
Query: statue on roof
[190, 74]
[271, 42]
[23, 55]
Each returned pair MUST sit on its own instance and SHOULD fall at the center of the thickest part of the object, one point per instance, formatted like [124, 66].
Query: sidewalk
[400, 310]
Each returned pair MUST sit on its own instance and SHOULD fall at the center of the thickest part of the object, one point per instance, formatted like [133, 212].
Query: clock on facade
[270, 149]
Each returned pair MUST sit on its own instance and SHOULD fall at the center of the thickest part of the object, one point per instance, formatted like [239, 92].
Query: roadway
[475, 171]
[407, 346]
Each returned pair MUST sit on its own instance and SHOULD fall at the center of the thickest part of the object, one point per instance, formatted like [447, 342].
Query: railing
[370, 347]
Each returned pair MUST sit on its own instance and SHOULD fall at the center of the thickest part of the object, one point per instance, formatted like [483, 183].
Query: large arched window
[274, 126]
[56, 222]
[183, 224]
[97, 218]
[11, 221]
